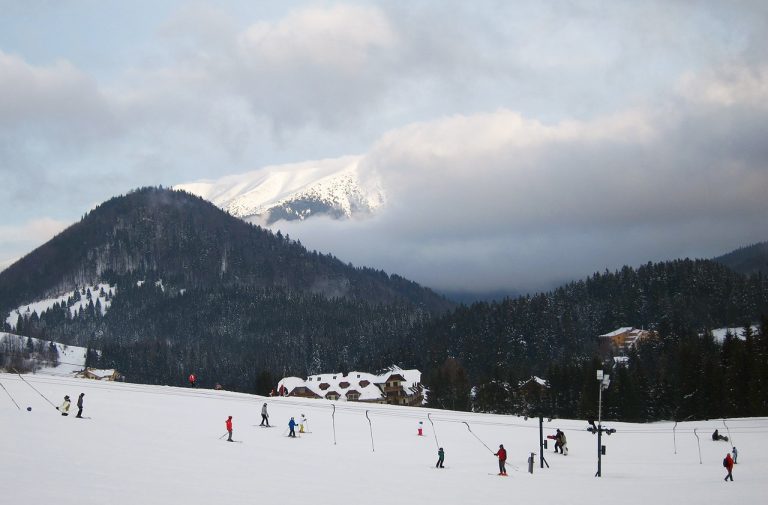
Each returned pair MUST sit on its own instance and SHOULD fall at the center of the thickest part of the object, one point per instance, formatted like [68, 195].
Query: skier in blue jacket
[291, 426]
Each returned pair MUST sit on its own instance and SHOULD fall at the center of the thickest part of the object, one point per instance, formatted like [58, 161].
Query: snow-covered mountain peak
[331, 187]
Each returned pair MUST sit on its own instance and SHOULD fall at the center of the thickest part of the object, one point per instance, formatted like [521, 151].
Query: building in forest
[394, 387]
[619, 341]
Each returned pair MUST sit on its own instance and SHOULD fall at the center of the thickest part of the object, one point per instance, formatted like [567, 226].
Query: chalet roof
[623, 329]
[368, 384]
[395, 377]
[534, 380]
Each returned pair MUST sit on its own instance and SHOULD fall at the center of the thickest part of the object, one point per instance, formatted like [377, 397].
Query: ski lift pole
[478, 438]
[370, 425]
[699, 443]
[730, 438]
[333, 419]
[674, 436]
[434, 432]
[34, 388]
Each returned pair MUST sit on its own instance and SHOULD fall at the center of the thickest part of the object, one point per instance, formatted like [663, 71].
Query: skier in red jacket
[229, 428]
[192, 380]
[728, 463]
[502, 454]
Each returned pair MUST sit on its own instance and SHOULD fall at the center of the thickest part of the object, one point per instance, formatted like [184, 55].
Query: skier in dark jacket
[291, 426]
[228, 422]
[440, 458]
[559, 441]
[264, 416]
[80, 406]
[502, 454]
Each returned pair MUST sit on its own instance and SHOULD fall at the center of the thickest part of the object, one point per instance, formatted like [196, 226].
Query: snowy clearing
[159, 445]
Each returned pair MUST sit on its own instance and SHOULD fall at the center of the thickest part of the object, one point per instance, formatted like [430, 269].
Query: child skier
[228, 422]
[64, 407]
[502, 454]
[440, 458]
[302, 423]
[291, 426]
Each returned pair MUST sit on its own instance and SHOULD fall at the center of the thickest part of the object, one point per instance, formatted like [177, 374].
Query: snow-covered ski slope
[160, 445]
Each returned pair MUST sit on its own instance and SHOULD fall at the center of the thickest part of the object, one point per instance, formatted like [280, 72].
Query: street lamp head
[599, 375]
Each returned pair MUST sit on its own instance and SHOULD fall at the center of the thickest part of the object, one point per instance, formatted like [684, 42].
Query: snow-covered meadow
[160, 445]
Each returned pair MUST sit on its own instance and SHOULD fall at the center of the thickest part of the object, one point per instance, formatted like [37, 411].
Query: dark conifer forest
[200, 291]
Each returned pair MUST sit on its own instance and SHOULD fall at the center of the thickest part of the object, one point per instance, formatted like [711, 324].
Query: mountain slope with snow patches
[332, 187]
[158, 445]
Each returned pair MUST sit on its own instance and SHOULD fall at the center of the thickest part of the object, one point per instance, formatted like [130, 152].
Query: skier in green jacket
[440, 458]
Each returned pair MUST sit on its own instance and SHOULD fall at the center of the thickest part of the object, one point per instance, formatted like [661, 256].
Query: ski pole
[224, 435]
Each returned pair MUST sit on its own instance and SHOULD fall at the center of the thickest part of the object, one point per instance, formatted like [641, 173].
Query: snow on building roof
[537, 380]
[364, 383]
[102, 373]
[621, 330]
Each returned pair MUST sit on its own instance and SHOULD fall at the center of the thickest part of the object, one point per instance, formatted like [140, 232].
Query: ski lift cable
[9, 396]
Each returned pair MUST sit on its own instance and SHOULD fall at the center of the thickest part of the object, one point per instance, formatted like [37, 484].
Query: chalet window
[358, 376]
[334, 376]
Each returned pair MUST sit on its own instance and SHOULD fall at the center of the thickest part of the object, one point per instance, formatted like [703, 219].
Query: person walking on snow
[728, 464]
[440, 458]
[302, 423]
[192, 380]
[558, 441]
[64, 407]
[502, 454]
[228, 422]
[80, 406]
[264, 416]
[735, 456]
[291, 426]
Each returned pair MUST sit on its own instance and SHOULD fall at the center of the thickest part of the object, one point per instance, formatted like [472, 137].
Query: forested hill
[747, 260]
[189, 243]
[545, 334]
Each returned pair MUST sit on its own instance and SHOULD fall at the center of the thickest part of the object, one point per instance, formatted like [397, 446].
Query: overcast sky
[521, 143]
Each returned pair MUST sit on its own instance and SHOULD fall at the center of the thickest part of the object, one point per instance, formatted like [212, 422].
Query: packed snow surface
[160, 445]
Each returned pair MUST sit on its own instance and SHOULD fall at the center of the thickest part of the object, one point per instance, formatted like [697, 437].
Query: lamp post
[604, 380]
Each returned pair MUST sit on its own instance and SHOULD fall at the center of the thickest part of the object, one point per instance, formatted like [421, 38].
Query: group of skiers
[302, 424]
[561, 443]
[64, 407]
